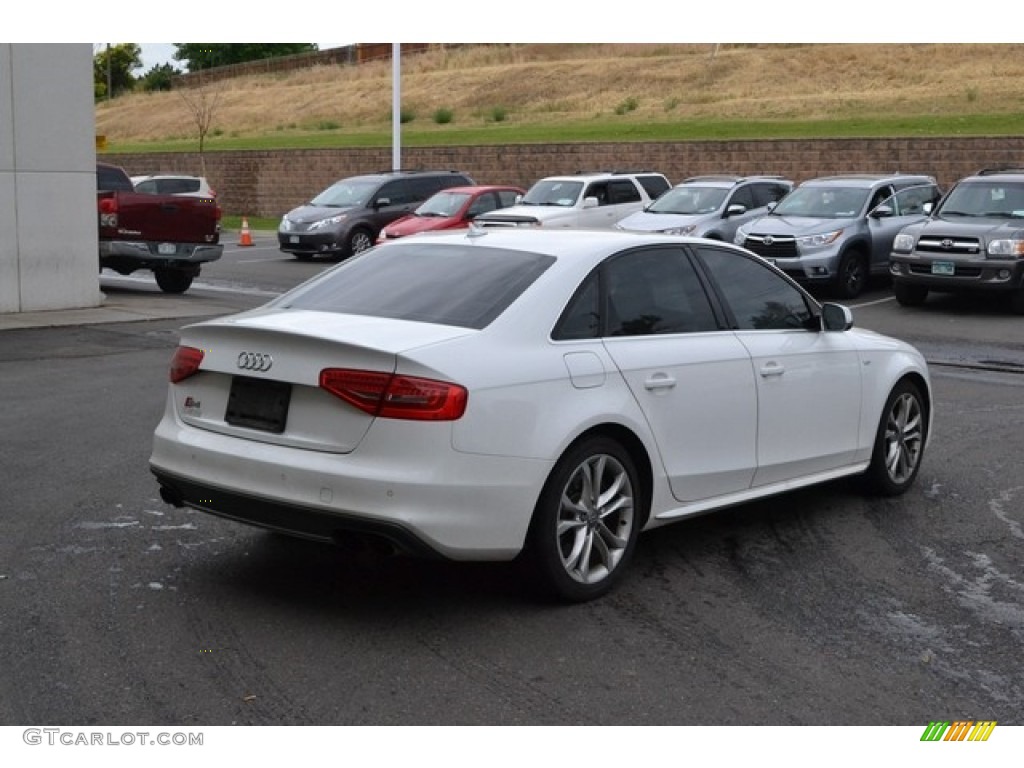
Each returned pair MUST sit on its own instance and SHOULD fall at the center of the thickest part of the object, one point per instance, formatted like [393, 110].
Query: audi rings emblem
[768, 240]
[254, 361]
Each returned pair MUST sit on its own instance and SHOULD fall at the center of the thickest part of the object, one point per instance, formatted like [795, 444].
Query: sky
[155, 54]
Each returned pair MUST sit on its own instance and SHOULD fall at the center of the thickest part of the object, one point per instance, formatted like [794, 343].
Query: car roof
[591, 175]
[147, 177]
[475, 188]
[400, 174]
[988, 173]
[729, 180]
[866, 179]
[588, 244]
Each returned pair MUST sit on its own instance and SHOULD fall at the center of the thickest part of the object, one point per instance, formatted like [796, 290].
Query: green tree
[112, 67]
[198, 56]
[159, 78]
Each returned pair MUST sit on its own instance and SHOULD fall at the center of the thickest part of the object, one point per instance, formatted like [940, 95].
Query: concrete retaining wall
[269, 183]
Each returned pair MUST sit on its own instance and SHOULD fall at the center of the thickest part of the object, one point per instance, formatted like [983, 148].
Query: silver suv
[709, 206]
[837, 231]
[580, 201]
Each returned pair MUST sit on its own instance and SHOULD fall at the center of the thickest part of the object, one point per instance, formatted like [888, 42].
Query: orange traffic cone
[246, 236]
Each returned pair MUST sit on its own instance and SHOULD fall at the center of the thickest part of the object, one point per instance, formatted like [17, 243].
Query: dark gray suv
[973, 241]
[347, 217]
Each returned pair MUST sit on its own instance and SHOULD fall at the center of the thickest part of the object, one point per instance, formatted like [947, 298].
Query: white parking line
[872, 303]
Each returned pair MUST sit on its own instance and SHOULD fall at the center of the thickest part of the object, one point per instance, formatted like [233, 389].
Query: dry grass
[538, 83]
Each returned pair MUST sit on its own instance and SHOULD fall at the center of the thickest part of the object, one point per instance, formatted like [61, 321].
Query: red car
[452, 208]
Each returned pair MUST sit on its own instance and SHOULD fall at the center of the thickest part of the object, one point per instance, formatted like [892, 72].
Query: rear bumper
[127, 255]
[461, 506]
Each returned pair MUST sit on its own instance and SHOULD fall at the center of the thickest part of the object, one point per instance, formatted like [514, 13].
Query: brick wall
[269, 183]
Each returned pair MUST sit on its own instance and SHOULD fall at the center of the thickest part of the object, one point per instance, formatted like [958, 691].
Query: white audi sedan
[535, 395]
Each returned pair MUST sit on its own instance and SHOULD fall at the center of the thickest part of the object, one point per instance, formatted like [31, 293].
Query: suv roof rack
[1001, 169]
[612, 172]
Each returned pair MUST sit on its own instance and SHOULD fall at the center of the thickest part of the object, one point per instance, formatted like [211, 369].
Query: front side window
[759, 298]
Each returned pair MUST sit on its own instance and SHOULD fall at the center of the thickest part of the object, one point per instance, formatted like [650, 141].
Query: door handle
[772, 369]
[659, 381]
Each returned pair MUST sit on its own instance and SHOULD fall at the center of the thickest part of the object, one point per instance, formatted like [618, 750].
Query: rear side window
[654, 184]
[467, 286]
[112, 179]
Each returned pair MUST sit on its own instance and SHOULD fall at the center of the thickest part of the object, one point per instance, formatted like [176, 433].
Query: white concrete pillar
[48, 234]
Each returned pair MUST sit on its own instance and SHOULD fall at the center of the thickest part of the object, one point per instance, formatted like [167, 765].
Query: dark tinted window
[654, 292]
[653, 185]
[623, 191]
[508, 197]
[765, 193]
[402, 192]
[744, 196]
[582, 318]
[760, 299]
[466, 286]
[108, 178]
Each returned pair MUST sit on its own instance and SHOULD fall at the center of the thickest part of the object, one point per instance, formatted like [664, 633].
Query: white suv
[580, 201]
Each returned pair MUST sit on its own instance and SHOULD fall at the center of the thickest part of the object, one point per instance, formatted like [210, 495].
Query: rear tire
[586, 522]
[899, 441]
[909, 295]
[173, 280]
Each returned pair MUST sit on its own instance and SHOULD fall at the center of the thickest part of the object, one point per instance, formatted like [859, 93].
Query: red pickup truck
[172, 235]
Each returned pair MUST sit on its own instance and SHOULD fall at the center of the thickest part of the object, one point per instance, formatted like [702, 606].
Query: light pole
[396, 106]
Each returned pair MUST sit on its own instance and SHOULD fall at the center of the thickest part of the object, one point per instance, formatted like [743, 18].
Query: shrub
[627, 106]
[498, 114]
[443, 116]
[406, 115]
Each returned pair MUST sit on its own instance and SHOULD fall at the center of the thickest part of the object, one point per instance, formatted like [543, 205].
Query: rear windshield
[461, 285]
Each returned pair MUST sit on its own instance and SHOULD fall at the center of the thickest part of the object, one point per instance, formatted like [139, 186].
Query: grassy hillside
[597, 92]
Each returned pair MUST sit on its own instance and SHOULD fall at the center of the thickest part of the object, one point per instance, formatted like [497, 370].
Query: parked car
[173, 184]
[171, 235]
[837, 231]
[973, 241]
[347, 217]
[488, 394]
[580, 201]
[452, 208]
[709, 206]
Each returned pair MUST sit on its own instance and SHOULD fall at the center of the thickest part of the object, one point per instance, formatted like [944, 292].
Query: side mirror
[590, 202]
[519, 199]
[380, 202]
[883, 211]
[735, 209]
[836, 317]
[928, 208]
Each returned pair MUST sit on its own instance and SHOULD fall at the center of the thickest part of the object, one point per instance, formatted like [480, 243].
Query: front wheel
[852, 276]
[173, 280]
[899, 441]
[359, 241]
[586, 522]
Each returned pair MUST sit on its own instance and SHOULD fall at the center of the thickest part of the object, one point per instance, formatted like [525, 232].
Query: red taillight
[185, 363]
[108, 212]
[396, 397]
